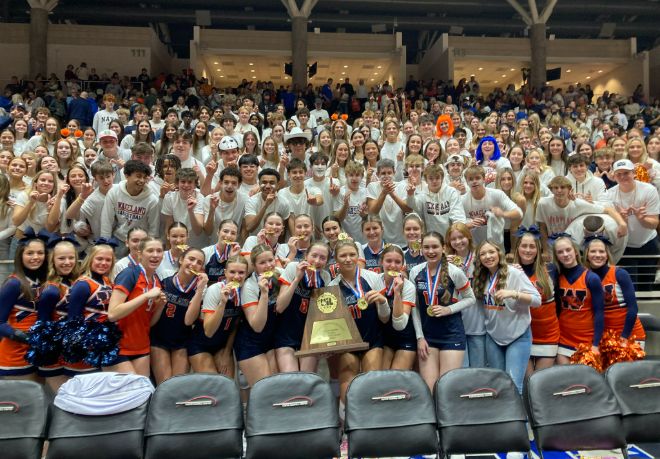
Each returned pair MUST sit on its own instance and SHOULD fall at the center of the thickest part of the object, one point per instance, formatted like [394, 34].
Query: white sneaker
[515, 455]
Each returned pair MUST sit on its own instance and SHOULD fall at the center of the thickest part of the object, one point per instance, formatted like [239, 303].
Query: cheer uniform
[171, 332]
[199, 343]
[16, 313]
[135, 327]
[54, 301]
[545, 324]
[291, 322]
[89, 297]
[250, 343]
[405, 339]
[580, 296]
[620, 302]
[445, 333]
[367, 321]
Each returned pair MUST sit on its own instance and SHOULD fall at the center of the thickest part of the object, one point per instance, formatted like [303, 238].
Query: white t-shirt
[352, 222]
[390, 213]
[476, 208]
[255, 203]
[644, 194]
[175, 206]
[234, 211]
[298, 202]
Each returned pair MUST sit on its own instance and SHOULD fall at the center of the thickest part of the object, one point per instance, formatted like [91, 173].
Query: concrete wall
[654, 72]
[122, 49]
[625, 79]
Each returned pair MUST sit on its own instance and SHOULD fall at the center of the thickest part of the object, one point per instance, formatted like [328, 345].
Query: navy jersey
[171, 332]
[215, 264]
[367, 321]
[372, 259]
[400, 339]
[250, 343]
[412, 260]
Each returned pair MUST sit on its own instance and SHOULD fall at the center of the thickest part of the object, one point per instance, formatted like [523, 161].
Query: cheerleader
[89, 296]
[170, 334]
[210, 349]
[269, 235]
[441, 346]
[177, 239]
[297, 283]
[372, 228]
[413, 228]
[62, 272]
[133, 239]
[506, 295]
[581, 301]
[18, 305]
[400, 342]
[362, 292]
[545, 324]
[303, 232]
[216, 255]
[460, 247]
[254, 338]
[619, 291]
[136, 304]
[332, 232]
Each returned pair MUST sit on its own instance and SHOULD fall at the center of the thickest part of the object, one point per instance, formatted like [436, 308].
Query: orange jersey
[545, 324]
[616, 308]
[576, 320]
[136, 326]
[22, 315]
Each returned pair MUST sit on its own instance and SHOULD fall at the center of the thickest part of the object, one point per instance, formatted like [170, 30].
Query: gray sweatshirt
[121, 212]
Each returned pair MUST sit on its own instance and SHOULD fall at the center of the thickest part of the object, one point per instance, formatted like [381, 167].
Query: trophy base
[332, 349]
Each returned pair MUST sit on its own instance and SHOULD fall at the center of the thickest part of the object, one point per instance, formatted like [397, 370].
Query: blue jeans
[512, 358]
[475, 357]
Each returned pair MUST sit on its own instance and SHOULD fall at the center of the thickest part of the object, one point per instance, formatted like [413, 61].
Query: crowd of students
[456, 237]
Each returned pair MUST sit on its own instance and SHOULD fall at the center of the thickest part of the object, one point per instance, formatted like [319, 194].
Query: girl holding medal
[177, 238]
[254, 339]
[303, 232]
[218, 254]
[582, 301]
[545, 324]
[133, 239]
[170, 334]
[297, 282]
[269, 235]
[210, 349]
[506, 295]
[19, 297]
[362, 290]
[89, 296]
[400, 338]
[372, 228]
[460, 251]
[333, 233]
[136, 304]
[441, 347]
[413, 228]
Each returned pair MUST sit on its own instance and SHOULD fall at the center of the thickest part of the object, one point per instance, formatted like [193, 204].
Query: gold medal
[227, 241]
[311, 268]
[393, 273]
[193, 272]
[416, 245]
[268, 274]
[362, 303]
[182, 247]
[233, 284]
[301, 237]
[456, 260]
[429, 311]
[343, 237]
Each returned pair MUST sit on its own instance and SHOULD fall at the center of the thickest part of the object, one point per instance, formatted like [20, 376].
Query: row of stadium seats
[388, 413]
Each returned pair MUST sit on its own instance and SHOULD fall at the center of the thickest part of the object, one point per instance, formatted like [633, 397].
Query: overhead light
[375, 73]
[380, 67]
[286, 77]
[588, 78]
[503, 76]
[222, 76]
[600, 71]
[346, 66]
[472, 75]
[480, 68]
[372, 79]
[254, 77]
[252, 70]
[251, 63]
[568, 70]
[218, 70]
[495, 81]
[513, 70]
[343, 73]
[215, 63]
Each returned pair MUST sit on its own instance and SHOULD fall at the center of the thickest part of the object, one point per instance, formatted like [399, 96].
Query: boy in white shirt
[302, 199]
[350, 205]
[264, 202]
[186, 206]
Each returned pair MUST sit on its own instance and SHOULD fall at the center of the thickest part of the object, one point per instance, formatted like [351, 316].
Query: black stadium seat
[23, 415]
[480, 403]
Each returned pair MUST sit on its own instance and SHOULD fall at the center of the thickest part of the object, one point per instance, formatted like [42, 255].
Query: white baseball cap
[623, 165]
[107, 133]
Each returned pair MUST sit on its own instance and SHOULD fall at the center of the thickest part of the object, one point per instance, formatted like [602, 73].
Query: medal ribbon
[432, 284]
[191, 285]
[131, 261]
[358, 290]
[389, 289]
[492, 283]
[168, 254]
[314, 281]
[382, 247]
[468, 260]
[234, 294]
[149, 285]
[225, 253]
